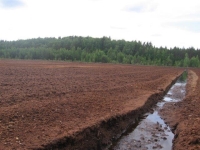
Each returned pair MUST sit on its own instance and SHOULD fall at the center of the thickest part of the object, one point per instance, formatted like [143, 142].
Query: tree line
[105, 50]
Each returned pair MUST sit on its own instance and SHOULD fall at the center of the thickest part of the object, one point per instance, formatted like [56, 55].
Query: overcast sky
[163, 22]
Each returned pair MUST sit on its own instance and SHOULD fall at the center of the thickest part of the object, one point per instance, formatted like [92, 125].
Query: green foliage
[194, 61]
[186, 61]
[88, 49]
[183, 76]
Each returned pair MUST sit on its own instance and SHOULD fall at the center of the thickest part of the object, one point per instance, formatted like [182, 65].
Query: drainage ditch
[150, 131]
[129, 131]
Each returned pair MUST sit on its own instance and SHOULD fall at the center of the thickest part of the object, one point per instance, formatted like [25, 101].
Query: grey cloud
[156, 35]
[142, 7]
[193, 26]
[137, 9]
[189, 16]
[11, 3]
[119, 28]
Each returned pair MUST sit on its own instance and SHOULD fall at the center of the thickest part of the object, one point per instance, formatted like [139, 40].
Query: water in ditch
[152, 132]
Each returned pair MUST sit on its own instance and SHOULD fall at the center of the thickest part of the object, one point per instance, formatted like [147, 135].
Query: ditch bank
[101, 135]
[183, 117]
[152, 132]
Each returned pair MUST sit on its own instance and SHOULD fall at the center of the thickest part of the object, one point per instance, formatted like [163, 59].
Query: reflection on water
[183, 77]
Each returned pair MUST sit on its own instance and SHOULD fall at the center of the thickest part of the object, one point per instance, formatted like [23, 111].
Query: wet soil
[184, 117]
[151, 132]
[59, 105]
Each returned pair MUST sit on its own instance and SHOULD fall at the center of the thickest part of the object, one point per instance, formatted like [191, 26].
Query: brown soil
[49, 105]
[184, 116]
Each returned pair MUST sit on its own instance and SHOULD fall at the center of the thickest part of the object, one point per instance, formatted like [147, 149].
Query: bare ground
[45, 103]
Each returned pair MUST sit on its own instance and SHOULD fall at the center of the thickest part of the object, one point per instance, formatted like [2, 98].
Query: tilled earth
[46, 100]
[184, 116]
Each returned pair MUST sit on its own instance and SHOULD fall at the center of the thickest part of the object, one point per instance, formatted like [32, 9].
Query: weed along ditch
[150, 131]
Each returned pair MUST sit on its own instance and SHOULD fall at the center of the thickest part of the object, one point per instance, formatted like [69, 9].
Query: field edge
[101, 135]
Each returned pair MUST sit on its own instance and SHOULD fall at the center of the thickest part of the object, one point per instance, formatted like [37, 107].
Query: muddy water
[151, 132]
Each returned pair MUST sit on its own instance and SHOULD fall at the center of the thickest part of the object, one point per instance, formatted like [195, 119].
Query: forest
[105, 50]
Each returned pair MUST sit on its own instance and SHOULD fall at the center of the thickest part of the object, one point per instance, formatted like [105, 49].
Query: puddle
[151, 132]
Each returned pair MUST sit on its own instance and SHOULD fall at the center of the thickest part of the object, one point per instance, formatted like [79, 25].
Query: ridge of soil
[184, 116]
[46, 103]
[102, 134]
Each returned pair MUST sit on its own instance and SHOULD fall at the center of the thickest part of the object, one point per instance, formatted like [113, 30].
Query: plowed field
[41, 101]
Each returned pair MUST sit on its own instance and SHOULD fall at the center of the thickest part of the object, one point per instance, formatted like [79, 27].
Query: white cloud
[163, 22]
